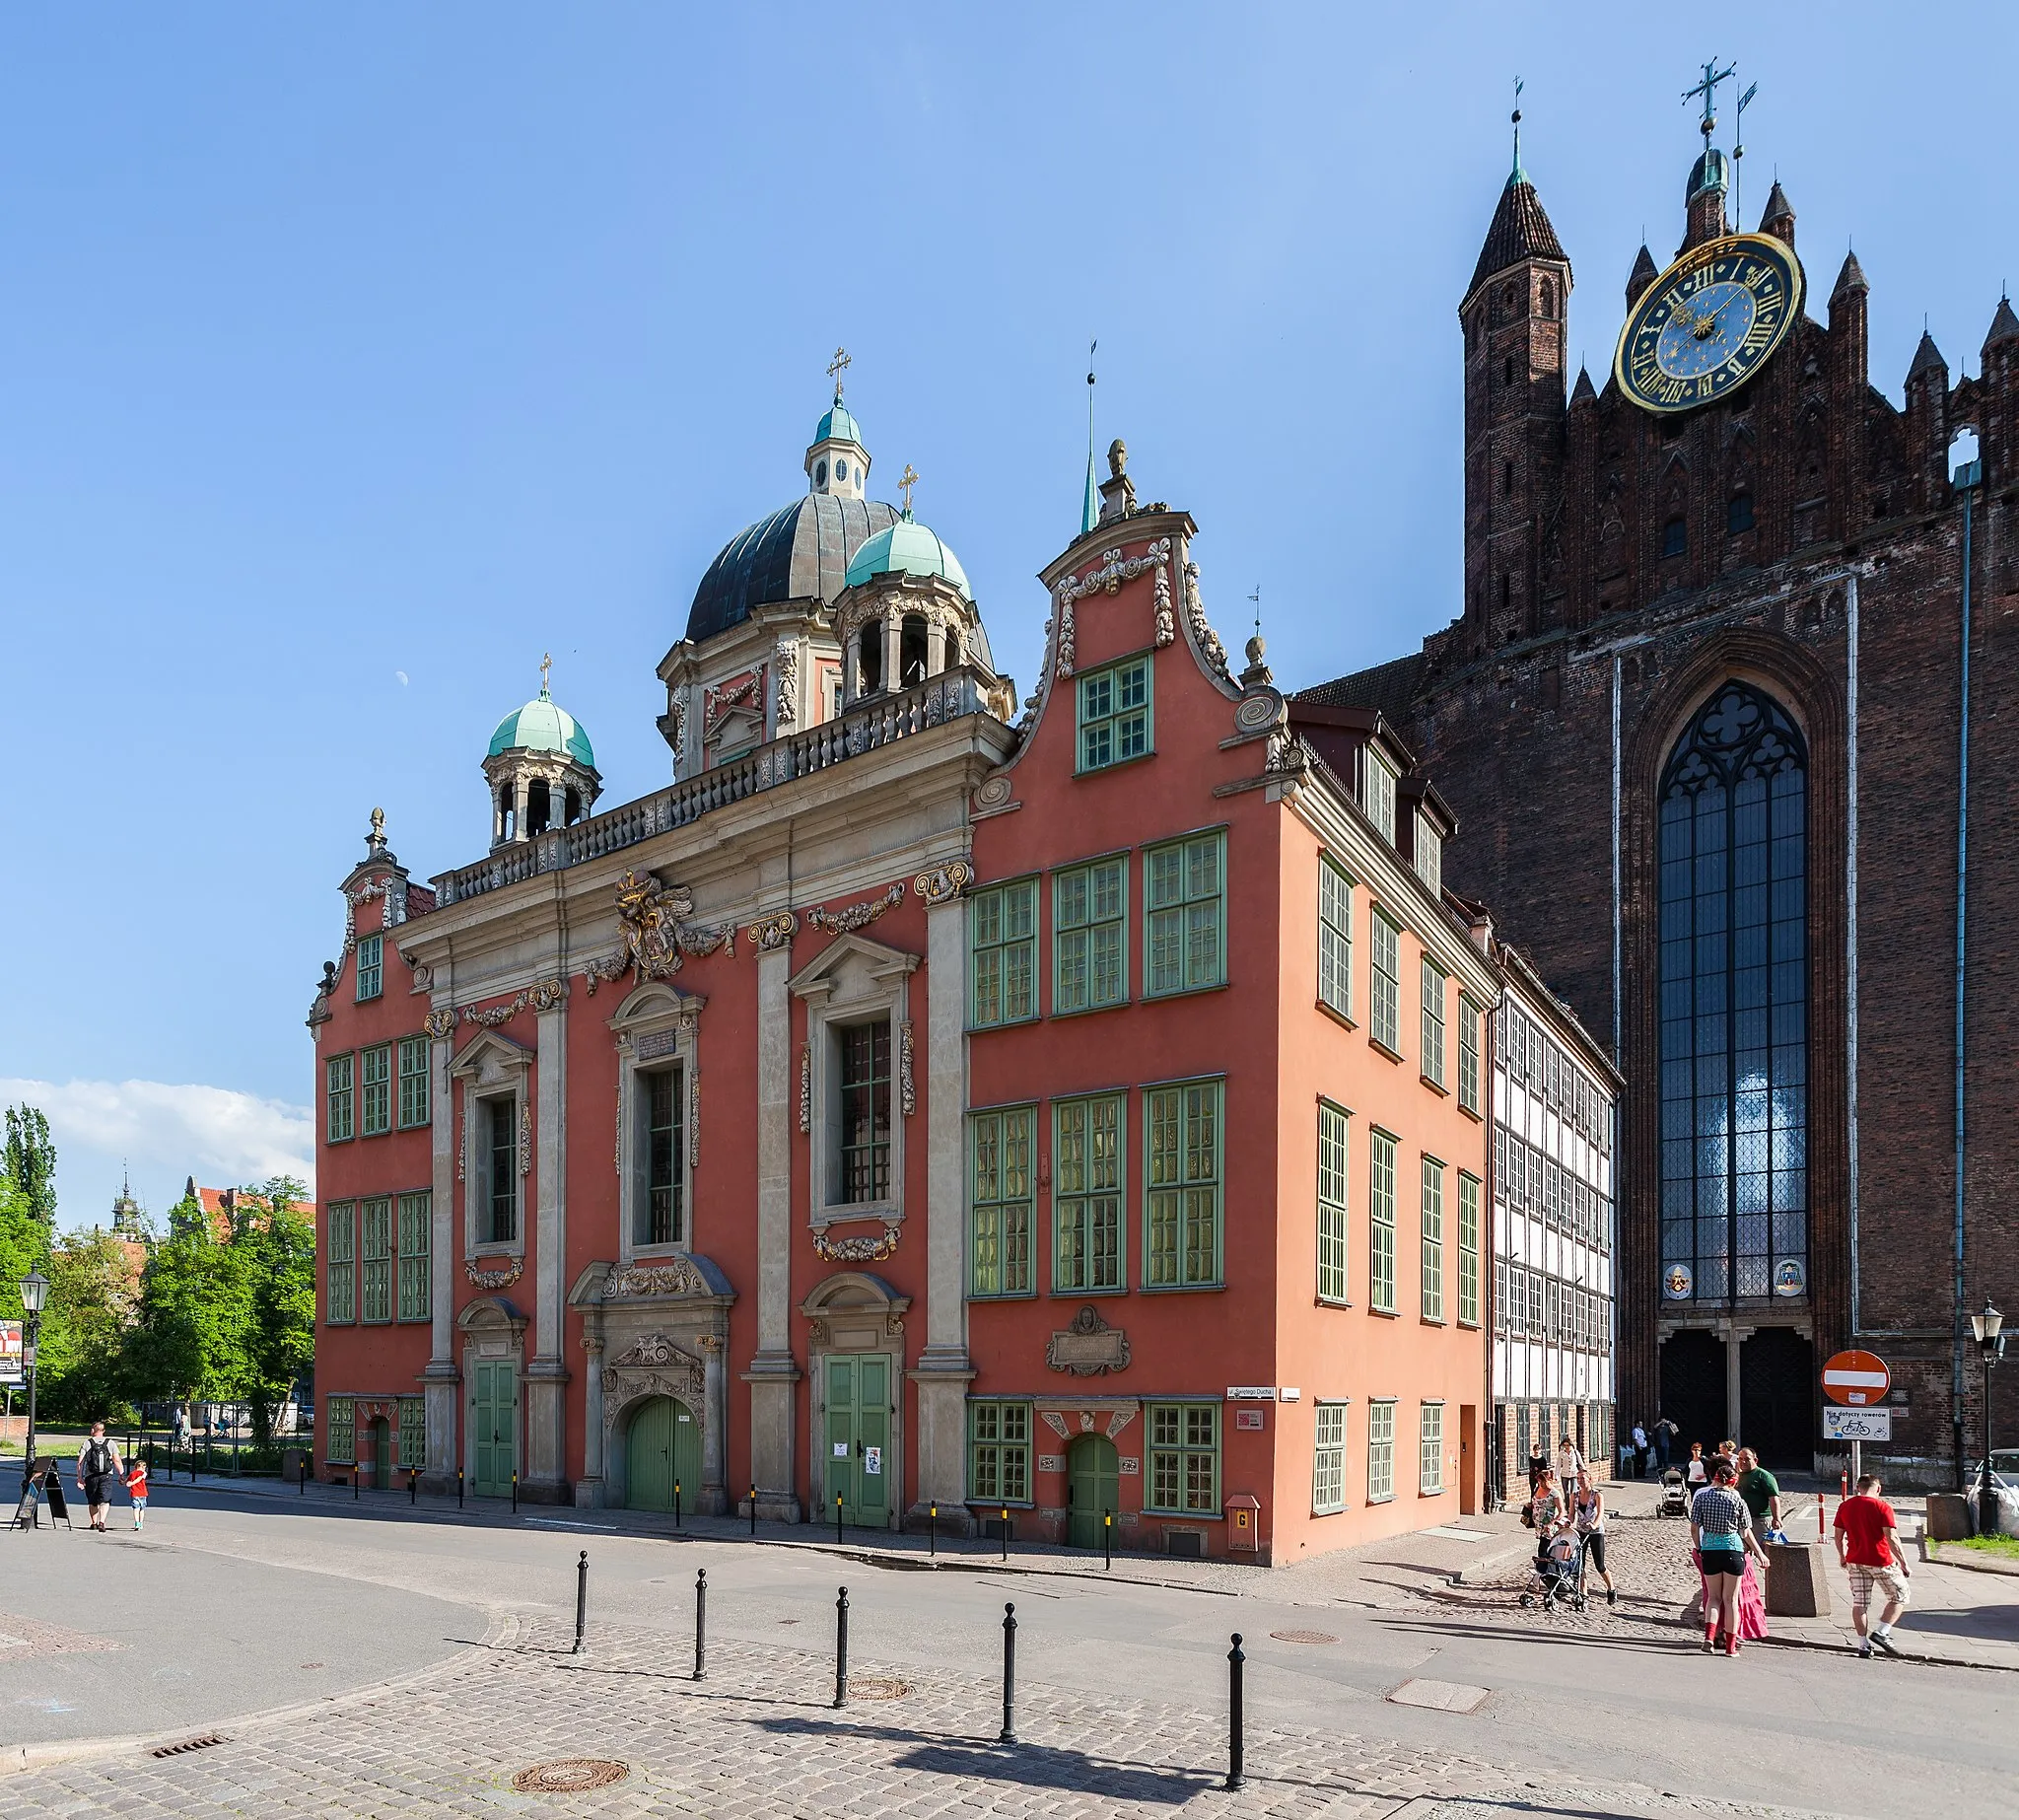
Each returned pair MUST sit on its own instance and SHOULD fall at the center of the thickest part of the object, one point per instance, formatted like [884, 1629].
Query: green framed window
[1468, 1249]
[1087, 1140]
[1184, 1459]
[1431, 1451]
[1386, 983]
[863, 1157]
[341, 1446]
[1430, 854]
[340, 1096]
[1335, 937]
[1331, 1202]
[376, 1277]
[1182, 1189]
[1381, 1221]
[375, 1098]
[999, 1452]
[662, 1190]
[1380, 794]
[999, 1201]
[1468, 1054]
[1434, 1240]
[1002, 933]
[413, 1431]
[1327, 1460]
[1089, 936]
[1381, 1451]
[370, 966]
[416, 1083]
[1433, 1022]
[1114, 713]
[416, 1218]
[1186, 915]
[339, 1265]
[501, 1172]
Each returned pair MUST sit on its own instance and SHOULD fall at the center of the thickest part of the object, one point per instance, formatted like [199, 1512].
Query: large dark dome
[799, 552]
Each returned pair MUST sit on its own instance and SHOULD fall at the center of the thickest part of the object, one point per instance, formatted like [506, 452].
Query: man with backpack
[99, 1468]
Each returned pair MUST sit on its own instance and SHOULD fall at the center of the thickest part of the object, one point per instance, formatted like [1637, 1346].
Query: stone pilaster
[546, 1372]
[588, 1489]
[773, 1375]
[440, 1395]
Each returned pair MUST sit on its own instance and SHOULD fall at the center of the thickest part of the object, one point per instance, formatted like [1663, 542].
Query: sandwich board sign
[1857, 1379]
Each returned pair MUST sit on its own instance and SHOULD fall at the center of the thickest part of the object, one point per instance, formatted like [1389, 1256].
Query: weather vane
[905, 482]
[836, 367]
[1515, 118]
[1738, 144]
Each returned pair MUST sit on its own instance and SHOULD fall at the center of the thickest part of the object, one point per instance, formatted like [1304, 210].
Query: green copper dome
[907, 548]
[542, 727]
[839, 425]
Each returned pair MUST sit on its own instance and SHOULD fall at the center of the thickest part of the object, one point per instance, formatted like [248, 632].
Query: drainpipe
[1850, 938]
[1968, 477]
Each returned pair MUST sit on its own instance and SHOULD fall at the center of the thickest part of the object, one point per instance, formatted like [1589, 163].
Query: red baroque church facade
[1078, 1116]
[1703, 719]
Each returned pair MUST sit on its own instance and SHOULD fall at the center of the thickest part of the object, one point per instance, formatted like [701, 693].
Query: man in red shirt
[1868, 1546]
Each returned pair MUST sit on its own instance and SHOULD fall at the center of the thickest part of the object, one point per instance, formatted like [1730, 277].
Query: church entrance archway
[1778, 1397]
[1093, 1488]
[662, 1456]
[1693, 1386]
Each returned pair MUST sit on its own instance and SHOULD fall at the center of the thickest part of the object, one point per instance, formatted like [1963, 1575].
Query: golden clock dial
[1709, 322]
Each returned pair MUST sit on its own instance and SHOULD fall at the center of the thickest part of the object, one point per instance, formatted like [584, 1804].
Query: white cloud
[165, 1132]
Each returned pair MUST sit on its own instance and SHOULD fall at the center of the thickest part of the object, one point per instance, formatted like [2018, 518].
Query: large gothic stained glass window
[1734, 1003]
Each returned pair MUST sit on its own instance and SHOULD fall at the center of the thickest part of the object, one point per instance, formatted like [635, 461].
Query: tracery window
[1734, 1003]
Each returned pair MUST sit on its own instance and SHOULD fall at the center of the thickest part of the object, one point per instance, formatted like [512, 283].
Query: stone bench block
[1796, 1582]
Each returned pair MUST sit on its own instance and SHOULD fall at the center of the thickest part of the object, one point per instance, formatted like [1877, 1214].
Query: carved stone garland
[1203, 635]
[856, 916]
[501, 1278]
[393, 889]
[1114, 570]
[806, 1086]
[788, 657]
[675, 1276]
[907, 1096]
[860, 1248]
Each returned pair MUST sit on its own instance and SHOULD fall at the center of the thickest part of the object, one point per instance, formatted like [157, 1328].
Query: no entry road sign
[1855, 1378]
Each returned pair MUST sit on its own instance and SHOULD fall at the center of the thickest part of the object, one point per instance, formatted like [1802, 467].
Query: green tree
[280, 1336]
[30, 1160]
[93, 1296]
[24, 1246]
[191, 1336]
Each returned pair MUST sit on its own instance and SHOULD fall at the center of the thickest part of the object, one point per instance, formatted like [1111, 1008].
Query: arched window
[1549, 301]
[1738, 511]
[1734, 1005]
[911, 650]
[1675, 537]
[539, 807]
[1507, 369]
[952, 647]
[870, 646]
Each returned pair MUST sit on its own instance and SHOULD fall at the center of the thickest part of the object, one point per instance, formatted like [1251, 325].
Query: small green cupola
[837, 464]
[908, 548]
[541, 769]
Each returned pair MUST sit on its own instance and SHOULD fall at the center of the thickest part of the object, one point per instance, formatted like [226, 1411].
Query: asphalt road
[226, 1599]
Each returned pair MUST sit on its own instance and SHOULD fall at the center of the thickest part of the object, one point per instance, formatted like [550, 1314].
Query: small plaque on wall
[1125, 1465]
[1247, 1418]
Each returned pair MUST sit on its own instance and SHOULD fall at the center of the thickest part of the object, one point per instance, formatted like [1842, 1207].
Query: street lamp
[1985, 1326]
[33, 1288]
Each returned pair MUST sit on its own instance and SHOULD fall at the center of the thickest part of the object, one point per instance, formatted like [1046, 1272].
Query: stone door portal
[662, 1456]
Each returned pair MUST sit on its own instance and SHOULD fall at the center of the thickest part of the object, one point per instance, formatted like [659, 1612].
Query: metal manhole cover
[877, 1687]
[570, 1776]
[1304, 1636]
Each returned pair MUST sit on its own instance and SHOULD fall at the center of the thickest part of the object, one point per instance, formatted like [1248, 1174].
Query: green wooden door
[494, 1427]
[1093, 1485]
[663, 1455]
[858, 1436]
[382, 1453]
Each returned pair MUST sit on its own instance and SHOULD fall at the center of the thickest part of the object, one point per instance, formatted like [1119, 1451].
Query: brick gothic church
[1707, 722]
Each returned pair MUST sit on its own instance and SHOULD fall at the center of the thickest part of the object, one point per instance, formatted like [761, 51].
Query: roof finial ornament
[1516, 176]
[1090, 506]
[1738, 145]
[836, 367]
[547, 664]
[905, 482]
[1708, 88]
[375, 842]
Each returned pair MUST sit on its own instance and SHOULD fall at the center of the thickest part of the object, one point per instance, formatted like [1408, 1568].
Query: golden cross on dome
[836, 367]
[547, 664]
[905, 482]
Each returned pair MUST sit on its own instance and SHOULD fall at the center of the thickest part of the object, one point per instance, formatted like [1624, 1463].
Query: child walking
[136, 1489]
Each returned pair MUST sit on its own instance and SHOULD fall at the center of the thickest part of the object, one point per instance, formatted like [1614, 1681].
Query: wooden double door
[494, 1427]
[1094, 1489]
[662, 1456]
[855, 1435]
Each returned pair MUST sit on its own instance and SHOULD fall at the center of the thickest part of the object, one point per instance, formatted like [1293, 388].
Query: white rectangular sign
[1857, 1424]
[1251, 1393]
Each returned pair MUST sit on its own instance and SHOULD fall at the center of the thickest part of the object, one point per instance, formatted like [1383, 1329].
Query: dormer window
[1378, 793]
[1430, 854]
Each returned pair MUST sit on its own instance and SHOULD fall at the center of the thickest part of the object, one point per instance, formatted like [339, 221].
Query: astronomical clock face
[1709, 323]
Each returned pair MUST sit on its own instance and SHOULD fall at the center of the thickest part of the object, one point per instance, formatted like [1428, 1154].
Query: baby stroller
[1559, 1566]
[1675, 1494]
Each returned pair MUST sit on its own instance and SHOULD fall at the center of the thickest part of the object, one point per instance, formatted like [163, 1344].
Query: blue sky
[351, 357]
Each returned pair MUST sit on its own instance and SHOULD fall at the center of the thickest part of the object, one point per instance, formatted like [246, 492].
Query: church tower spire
[1513, 320]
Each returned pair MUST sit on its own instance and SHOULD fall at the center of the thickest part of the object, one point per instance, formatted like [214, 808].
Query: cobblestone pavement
[760, 1738]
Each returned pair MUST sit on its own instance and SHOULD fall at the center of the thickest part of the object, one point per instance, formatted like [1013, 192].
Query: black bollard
[753, 1510]
[303, 1464]
[413, 1486]
[515, 1491]
[1008, 1735]
[357, 1480]
[701, 1625]
[936, 1529]
[1107, 1538]
[1234, 1659]
[837, 1516]
[676, 1504]
[841, 1648]
[581, 1599]
[1005, 1532]
[458, 1488]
